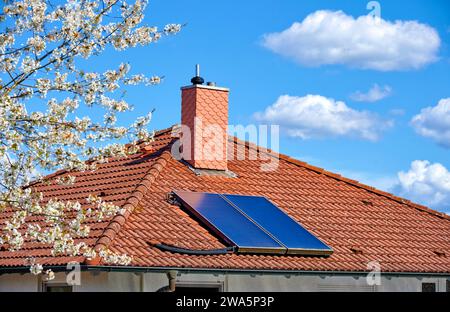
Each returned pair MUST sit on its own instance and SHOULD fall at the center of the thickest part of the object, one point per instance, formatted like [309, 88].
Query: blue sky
[228, 39]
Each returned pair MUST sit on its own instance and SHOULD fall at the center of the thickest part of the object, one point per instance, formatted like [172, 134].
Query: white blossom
[43, 85]
[172, 28]
[36, 269]
[38, 64]
[49, 275]
[155, 80]
[66, 180]
[29, 64]
[37, 43]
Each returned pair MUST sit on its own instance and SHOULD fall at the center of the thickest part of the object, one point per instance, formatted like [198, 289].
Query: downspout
[142, 283]
[172, 275]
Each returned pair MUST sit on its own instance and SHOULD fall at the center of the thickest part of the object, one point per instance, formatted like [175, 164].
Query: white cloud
[315, 116]
[327, 37]
[426, 183]
[397, 112]
[434, 122]
[375, 93]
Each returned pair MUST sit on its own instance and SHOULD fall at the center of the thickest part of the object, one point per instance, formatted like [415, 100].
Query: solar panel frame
[224, 233]
[320, 249]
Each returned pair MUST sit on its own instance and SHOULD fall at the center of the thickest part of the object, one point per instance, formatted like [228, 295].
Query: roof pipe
[187, 251]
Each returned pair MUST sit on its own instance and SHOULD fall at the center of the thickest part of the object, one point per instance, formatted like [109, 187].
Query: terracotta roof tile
[402, 236]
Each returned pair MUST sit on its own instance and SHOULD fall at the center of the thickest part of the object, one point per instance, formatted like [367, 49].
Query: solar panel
[283, 228]
[229, 223]
[252, 223]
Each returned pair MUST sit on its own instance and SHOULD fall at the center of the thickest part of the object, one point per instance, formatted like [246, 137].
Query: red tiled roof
[360, 223]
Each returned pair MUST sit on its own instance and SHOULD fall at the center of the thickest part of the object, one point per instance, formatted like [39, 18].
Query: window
[51, 287]
[428, 287]
[192, 287]
[197, 289]
[448, 286]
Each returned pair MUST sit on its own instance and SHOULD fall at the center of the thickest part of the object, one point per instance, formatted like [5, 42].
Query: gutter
[93, 268]
[254, 271]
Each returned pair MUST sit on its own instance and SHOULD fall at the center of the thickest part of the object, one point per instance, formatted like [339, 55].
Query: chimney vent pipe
[197, 79]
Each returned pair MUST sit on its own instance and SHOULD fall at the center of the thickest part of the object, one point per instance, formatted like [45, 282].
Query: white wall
[18, 282]
[124, 281]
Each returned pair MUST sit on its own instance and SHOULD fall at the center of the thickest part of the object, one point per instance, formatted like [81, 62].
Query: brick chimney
[204, 119]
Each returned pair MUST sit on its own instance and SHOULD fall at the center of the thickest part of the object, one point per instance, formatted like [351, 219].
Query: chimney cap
[197, 79]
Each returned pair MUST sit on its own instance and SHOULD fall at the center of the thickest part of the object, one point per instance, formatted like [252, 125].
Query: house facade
[137, 280]
[379, 242]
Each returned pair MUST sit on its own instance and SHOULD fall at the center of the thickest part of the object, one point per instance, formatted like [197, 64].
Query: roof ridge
[342, 178]
[116, 223]
[163, 131]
